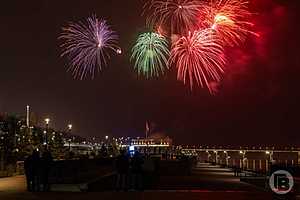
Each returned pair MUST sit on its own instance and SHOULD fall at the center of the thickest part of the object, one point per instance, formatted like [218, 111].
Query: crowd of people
[129, 171]
[37, 168]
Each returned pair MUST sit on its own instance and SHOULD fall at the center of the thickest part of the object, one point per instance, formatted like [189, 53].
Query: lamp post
[47, 120]
[208, 156]
[226, 158]
[243, 158]
[216, 157]
[70, 131]
[27, 116]
[270, 160]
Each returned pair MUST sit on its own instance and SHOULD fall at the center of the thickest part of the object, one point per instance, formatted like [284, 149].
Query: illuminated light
[119, 51]
[70, 126]
[47, 120]
[131, 148]
[241, 152]
[267, 152]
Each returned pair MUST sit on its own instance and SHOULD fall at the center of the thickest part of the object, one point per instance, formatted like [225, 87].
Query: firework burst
[179, 15]
[86, 45]
[150, 54]
[198, 57]
[229, 18]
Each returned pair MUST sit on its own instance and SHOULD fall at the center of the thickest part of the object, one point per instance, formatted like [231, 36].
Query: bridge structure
[254, 158]
[248, 158]
[81, 148]
[88, 146]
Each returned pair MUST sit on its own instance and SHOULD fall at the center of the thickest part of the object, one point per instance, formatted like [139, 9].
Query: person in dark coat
[122, 167]
[46, 163]
[137, 171]
[36, 165]
[28, 167]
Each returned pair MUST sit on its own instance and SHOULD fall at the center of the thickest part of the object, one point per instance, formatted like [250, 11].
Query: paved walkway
[14, 184]
[206, 177]
[207, 182]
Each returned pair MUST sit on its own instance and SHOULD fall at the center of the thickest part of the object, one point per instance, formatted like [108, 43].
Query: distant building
[155, 144]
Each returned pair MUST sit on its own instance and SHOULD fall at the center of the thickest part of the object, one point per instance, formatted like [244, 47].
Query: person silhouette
[46, 163]
[35, 170]
[137, 171]
[122, 167]
[28, 167]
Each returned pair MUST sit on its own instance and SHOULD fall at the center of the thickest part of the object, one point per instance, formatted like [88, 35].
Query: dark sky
[257, 103]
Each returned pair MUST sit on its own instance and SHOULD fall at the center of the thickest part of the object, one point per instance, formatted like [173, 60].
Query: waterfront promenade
[206, 182]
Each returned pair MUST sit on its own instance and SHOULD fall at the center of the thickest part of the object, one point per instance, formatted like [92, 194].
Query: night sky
[257, 102]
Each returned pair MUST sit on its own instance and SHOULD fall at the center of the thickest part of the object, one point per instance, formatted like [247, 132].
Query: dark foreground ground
[206, 182]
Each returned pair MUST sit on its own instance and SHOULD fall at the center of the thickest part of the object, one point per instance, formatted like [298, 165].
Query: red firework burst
[180, 15]
[199, 57]
[229, 18]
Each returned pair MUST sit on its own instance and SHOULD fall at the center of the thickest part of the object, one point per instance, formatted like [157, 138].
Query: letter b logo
[281, 182]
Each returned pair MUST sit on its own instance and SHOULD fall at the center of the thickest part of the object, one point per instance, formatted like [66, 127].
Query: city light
[47, 120]
[70, 126]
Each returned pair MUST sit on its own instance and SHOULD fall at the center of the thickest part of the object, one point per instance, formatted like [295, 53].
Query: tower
[27, 116]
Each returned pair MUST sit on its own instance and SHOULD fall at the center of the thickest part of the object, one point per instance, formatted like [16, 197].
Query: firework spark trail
[229, 18]
[199, 57]
[86, 45]
[180, 15]
[150, 54]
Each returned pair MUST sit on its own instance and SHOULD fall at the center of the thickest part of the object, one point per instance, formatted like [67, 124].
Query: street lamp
[226, 158]
[70, 127]
[270, 159]
[243, 158]
[47, 120]
[70, 131]
[216, 158]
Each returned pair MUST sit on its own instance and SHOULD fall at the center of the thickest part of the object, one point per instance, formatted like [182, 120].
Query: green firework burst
[150, 54]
